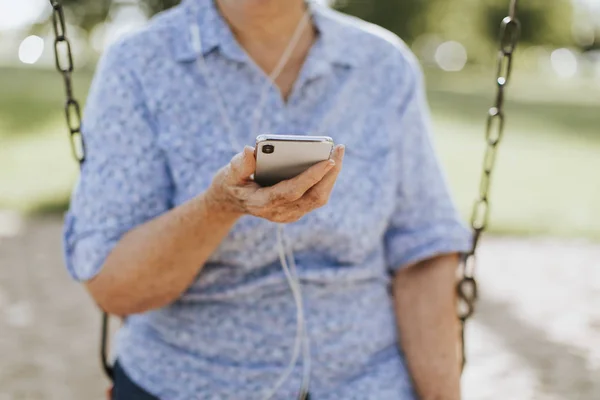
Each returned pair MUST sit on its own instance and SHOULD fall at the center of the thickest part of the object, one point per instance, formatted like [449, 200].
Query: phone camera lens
[268, 149]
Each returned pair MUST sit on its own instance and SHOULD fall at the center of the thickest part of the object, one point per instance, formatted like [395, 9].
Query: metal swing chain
[510, 31]
[64, 65]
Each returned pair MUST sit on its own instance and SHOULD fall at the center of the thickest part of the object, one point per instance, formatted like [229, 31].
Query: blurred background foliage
[474, 23]
[88, 13]
[466, 20]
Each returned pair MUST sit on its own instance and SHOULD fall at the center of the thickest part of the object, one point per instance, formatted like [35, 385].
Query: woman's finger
[293, 189]
[325, 186]
[243, 165]
[318, 195]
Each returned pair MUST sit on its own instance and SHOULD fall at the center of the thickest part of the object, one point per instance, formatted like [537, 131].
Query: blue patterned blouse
[156, 138]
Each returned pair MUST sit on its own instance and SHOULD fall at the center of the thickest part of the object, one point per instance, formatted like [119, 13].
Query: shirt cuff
[406, 248]
[85, 253]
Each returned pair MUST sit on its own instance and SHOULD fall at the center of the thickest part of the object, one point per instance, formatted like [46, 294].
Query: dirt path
[536, 334]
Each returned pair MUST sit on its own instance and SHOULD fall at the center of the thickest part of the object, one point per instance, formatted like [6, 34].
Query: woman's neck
[264, 28]
[268, 22]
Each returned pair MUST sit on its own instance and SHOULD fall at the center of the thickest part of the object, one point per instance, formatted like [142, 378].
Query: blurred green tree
[406, 18]
[88, 13]
[474, 23]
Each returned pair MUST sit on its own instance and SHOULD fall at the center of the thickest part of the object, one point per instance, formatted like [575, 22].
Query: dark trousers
[125, 389]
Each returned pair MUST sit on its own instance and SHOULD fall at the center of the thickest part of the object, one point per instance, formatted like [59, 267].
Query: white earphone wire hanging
[271, 78]
[300, 321]
[291, 278]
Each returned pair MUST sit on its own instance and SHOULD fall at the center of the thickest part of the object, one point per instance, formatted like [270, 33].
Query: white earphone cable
[271, 78]
[306, 358]
[301, 338]
[285, 58]
[300, 318]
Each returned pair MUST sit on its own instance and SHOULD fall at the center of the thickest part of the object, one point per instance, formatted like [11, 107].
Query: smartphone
[282, 157]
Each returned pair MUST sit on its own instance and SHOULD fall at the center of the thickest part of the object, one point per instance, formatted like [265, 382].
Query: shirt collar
[332, 45]
[337, 47]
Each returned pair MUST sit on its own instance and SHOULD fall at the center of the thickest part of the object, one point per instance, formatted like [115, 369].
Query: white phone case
[282, 157]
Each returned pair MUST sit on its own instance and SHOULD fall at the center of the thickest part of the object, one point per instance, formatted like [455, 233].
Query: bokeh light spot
[564, 63]
[451, 56]
[31, 49]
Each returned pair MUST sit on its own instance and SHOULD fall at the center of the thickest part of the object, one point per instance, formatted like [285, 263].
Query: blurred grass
[547, 179]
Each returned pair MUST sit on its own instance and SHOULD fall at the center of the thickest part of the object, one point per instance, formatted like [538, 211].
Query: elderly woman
[168, 228]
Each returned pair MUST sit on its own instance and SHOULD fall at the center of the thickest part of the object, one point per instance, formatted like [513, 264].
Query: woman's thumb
[244, 164]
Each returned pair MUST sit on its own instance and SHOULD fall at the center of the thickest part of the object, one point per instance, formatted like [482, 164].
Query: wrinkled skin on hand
[233, 189]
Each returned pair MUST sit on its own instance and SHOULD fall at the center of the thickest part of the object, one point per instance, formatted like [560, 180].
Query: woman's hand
[234, 191]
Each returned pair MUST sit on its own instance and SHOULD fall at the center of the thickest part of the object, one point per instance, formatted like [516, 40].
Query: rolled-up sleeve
[425, 222]
[124, 181]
